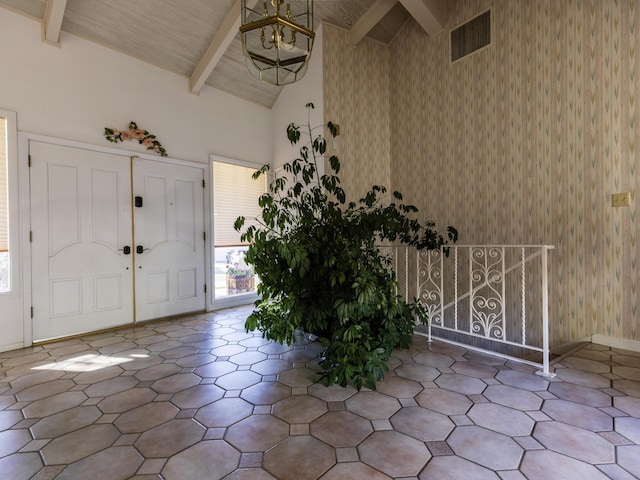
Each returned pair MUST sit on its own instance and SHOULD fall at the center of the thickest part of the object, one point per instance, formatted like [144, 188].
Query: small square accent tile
[491, 381]
[35, 445]
[163, 397]
[461, 420]
[209, 380]
[19, 405]
[262, 410]
[529, 443]
[538, 416]
[251, 460]
[408, 402]
[244, 367]
[612, 392]
[92, 401]
[615, 471]
[145, 384]
[336, 406]
[187, 370]
[545, 395]
[614, 412]
[77, 387]
[429, 385]
[128, 439]
[445, 370]
[349, 454]
[615, 438]
[299, 429]
[299, 391]
[511, 475]
[232, 393]
[26, 423]
[477, 398]
[299, 365]
[222, 359]
[381, 424]
[270, 378]
[152, 466]
[439, 448]
[611, 376]
[187, 413]
[108, 418]
[214, 433]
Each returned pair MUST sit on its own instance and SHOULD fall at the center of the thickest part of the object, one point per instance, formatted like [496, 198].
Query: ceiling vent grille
[471, 36]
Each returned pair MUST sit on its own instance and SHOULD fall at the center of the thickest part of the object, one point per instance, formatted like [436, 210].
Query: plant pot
[240, 284]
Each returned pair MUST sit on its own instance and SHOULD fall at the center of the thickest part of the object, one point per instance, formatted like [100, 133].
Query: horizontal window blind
[4, 211]
[235, 193]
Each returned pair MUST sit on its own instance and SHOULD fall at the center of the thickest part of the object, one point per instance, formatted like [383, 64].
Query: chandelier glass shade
[277, 38]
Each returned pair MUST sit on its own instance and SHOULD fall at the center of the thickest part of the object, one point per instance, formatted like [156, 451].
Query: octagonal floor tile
[114, 463]
[21, 465]
[238, 380]
[501, 419]
[207, 459]
[176, 383]
[224, 412]
[65, 422]
[266, 393]
[331, 429]
[443, 401]
[513, 397]
[460, 383]
[146, 417]
[455, 468]
[580, 377]
[79, 444]
[197, 396]
[579, 394]
[373, 405]
[574, 442]
[257, 433]
[13, 440]
[394, 453]
[581, 416]
[127, 400]
[433, 360]
[169, 438]
[354, 471]
[422, 424]
[299, 457]
[549, 464]
[299, 409]
[484, 447]
[54, 404]
[399, 387]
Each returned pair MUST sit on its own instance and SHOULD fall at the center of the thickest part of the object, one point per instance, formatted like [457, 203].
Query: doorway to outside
[235, 193]
[115, 239]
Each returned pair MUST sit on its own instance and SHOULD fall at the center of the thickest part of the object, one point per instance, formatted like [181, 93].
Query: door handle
[126, 249]
[140, 249]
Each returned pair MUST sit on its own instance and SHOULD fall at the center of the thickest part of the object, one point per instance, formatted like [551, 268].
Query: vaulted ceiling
[199, 39]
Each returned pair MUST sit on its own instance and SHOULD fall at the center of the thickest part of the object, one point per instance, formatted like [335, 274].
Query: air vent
[471, 36]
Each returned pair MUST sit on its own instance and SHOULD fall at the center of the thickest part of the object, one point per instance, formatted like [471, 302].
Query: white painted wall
[75, 91]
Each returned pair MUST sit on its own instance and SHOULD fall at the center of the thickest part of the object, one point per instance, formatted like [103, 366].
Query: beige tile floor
[199, 398]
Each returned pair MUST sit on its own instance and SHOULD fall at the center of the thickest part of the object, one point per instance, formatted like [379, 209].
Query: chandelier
[277, 38]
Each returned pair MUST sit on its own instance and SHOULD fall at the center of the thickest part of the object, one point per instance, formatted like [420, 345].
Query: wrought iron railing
[486, 297]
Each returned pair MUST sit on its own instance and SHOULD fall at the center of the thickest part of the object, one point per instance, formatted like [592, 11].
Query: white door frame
[25, 210]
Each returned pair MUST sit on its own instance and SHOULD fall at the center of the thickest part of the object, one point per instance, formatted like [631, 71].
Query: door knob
[126, 250]
[140, 249]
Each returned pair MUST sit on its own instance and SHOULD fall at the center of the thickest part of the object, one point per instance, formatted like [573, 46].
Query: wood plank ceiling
[199, 39]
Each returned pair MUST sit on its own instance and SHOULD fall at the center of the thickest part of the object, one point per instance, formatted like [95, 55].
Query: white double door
[115, 240]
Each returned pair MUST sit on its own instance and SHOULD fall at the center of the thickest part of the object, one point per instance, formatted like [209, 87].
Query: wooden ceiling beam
[430, 14]
[52, 21]
[370, 19]
[223, 38]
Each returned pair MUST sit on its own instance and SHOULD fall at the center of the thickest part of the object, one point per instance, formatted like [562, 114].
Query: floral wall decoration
[134, 133]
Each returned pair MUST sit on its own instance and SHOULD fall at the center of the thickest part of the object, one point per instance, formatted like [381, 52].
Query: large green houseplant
[320, 266]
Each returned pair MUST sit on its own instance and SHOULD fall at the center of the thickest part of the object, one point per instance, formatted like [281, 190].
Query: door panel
[81, 220]
[169, 226]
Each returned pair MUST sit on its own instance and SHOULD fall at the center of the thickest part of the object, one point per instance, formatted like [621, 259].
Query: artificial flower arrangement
[134, 133]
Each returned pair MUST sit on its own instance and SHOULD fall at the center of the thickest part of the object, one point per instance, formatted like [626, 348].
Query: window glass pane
[235, 193]
[4, 212]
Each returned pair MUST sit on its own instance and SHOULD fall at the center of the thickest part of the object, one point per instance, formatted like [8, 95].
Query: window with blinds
[4, 203]
[235, 193]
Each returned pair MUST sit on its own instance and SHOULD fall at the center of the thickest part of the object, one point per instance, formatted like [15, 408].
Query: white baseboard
[614, 342]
